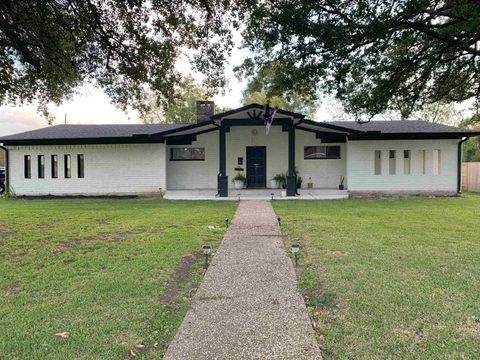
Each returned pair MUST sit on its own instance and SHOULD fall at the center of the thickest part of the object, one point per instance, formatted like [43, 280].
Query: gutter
[459, 168]
[7, 172]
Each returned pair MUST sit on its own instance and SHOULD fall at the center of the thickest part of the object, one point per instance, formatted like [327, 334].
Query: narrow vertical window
[27, 166]
[378, 162]
[436, 162]
[392, 163]
[41, 166]
[54, 166]
[67, 165]
[80, 166]
[421, 162]
[406, 162]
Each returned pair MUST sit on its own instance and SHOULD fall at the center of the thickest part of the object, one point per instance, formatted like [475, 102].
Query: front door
[256, 166]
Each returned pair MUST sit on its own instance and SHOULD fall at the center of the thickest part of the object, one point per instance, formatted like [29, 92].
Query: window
[67, 163]
[187, 154]
[392, 162]
[321, 152]
[27, 166]
[80, 166]
[54, 166]
[41, 166]
[421, 162]
[378, 162]
[406, 162]
[436, 162]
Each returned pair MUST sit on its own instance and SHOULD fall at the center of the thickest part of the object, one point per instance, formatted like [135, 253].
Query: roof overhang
[136, 139]
[305, 124]
[411, 136]
[191, 129]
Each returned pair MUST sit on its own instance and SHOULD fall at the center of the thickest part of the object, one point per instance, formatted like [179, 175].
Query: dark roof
[91, 131]
[399, 126]
[70, 134]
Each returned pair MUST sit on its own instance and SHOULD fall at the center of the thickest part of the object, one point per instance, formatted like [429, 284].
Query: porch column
[222, 179]
[291, 177]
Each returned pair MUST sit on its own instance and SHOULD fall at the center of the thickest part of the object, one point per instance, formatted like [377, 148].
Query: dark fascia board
[413, 136]
[255, 106]
[182, 128]
[331, 126]
[85, 141]
[255, 122]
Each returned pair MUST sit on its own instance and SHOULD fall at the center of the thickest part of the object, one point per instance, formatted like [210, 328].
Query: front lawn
[106, 276]
[387, 278]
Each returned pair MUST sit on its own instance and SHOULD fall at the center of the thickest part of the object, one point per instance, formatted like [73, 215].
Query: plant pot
[274, 184]
[238, 184]
[341, 187]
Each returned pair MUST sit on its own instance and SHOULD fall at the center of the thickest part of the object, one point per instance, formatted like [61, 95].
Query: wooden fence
[471, 176]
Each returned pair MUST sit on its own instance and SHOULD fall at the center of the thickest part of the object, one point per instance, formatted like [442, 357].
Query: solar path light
[271, 195]
[206, 252]
[226, 223]
[295, 250]
[278, 219]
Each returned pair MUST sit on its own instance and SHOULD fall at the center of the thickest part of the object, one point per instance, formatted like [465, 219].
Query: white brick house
[375, 157]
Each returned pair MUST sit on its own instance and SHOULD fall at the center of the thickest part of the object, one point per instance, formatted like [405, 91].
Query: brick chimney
[205, 109]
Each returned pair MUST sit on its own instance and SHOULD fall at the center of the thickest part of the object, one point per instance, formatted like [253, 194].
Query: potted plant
[239, 180]
[282, 180]
[340, 186]
[299, 179]
[276, 182]
[299, 182]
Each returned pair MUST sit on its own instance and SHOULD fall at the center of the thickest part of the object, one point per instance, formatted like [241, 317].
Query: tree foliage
[471, 147]
[183, 108]
[128, 48]
[374, 56]
[261, 89]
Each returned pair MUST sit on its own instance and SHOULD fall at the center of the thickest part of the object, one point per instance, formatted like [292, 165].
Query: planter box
[274, 184]
[238, 184]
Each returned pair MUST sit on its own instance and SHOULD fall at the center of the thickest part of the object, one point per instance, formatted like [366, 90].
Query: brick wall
[109, 170]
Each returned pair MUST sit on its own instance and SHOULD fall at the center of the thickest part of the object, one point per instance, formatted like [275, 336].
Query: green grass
[390, 278]
[97, 269]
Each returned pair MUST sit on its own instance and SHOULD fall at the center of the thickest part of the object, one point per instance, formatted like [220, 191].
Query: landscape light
[272, 195]
[206, 251]
[226, 223]
[278, 219]
[295, 250]
[238, 195]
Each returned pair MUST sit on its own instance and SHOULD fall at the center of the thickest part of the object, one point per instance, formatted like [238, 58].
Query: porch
[257, 194]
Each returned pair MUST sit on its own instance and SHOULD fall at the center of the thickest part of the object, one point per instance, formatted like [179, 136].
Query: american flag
[268, 117]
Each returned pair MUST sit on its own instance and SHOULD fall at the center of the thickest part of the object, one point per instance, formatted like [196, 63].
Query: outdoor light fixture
[226, 223]
[206, 252]
[238, 197]
[295, 250]
[272, 195]
[278, 219]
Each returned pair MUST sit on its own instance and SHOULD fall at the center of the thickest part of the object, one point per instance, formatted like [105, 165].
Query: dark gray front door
[256, 166]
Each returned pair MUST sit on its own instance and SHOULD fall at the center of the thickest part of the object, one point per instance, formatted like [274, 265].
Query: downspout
[7, 172]
[459, 169]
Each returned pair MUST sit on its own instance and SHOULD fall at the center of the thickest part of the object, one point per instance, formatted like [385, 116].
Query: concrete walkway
[248, 305]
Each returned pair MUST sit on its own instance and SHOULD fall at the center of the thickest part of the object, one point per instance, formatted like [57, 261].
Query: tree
[471, 147]
[181, 111]
[374, 56]
[261, 89]
[48, 48]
